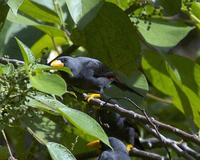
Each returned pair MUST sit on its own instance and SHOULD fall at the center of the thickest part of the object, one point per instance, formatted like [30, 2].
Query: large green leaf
[111, 38]
[79, 119]
[85, 123]
[170, 7]
[26, 53]
[39, 12]
[49, 83]
[59, 152]
[14, 5]
[155, 70]
[164, 33]
[192, 110]
[82, 11]
[171, 78]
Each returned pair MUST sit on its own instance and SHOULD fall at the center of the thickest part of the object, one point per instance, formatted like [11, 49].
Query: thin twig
[8, 146]
[15, 62]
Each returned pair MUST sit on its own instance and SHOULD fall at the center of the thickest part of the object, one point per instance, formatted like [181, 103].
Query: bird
[89, 74]
[118, 151]
[118, 126]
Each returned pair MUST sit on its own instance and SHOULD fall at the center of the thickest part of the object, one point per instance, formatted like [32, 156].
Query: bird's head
[115, 143]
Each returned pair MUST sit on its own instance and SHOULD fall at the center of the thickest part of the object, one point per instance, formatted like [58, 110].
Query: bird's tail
[123, 86]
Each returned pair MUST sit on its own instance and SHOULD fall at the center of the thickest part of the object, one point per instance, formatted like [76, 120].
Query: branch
[184, 151]
[140, 118]
[134, 152]
[8, 146]
[146, 155]
[15, 62]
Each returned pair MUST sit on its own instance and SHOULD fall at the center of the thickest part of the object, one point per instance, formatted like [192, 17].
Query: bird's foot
[91, 96]
[129, 147]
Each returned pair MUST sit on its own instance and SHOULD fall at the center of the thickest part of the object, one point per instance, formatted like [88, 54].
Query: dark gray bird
[119, 151]
[89, 74]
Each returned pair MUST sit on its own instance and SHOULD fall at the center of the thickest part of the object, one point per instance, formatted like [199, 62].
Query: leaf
[79, 119]
[85, 123]
[155, 70]
[14, 5]
[111, 38]
[170, 7]
[39, 12]
[4, 11]
[192, 110]
[123, 4]
[42, 67]
[26, 52]
[19, 19]
[83, 11]
[170, 77]
[194, 13]
[170, 33]
[59, 152]
[49, 83]
[45, 42]
[51, 31]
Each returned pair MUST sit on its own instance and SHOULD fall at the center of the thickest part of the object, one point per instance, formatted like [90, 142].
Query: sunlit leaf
[83, 11]
[49, 83]
[14, 5]
[39, 12]
[170, 33]
[59, 152]
[26, 52]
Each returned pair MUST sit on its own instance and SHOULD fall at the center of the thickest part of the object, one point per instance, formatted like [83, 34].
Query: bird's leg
[91, 96]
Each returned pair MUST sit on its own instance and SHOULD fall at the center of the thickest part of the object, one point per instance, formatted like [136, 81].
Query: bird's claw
[91, 96]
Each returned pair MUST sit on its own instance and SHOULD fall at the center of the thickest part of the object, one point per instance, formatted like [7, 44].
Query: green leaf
[111, 38]
[170, 7]
[7, 69]
[59, 152]
[39, 12]
[45, 42]
[42, 67]
[85, 123]
[194, 13]
[79, 119]
[51, 31]
[170, 33]
[14, 5]
[49, 83]
[83, 11]
[19, 19]
[192, 109]
[155, 69]
[124, 4]
[26, 52]
[4, 11]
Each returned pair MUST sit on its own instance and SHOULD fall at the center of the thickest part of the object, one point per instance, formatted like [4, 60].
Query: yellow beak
[57, 63]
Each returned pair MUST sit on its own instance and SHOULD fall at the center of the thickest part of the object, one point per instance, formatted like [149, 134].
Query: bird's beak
[57, 63]
[95, 144]
[129, 147]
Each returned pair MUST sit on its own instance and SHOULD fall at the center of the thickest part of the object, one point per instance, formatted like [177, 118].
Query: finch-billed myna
[89, 74]
[119, 151]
